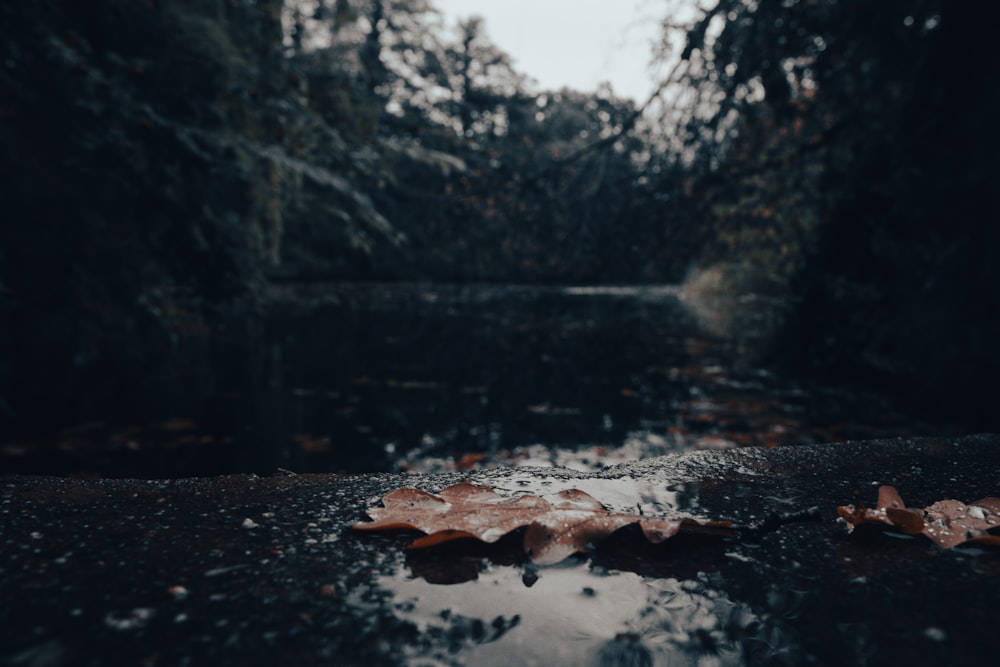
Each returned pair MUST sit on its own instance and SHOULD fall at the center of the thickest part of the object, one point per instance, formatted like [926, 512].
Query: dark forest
[822, 171]
[330, 337]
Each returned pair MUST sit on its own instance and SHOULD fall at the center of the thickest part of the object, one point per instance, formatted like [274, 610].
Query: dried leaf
[556, 527]
[180, 424]
[470, 461]
[948, 523]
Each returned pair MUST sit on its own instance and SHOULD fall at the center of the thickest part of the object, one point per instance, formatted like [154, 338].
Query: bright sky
[574, 43]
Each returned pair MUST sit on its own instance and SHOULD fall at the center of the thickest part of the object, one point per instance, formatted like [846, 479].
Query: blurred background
[355, 235]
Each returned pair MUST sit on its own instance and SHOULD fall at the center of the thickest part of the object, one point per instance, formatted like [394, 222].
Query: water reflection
[585, 614]
[357, 378]
[426, 378]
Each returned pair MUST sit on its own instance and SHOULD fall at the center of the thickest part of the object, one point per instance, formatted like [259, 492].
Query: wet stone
[170, 572]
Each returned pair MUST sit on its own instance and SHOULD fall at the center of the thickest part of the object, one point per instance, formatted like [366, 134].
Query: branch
[626, 127]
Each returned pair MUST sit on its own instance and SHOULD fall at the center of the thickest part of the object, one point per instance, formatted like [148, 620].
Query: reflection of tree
[589, 615]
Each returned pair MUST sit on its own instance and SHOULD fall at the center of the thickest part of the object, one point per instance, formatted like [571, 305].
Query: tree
[816, 138]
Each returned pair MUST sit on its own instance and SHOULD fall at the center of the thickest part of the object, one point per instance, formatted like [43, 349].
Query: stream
[353, 378]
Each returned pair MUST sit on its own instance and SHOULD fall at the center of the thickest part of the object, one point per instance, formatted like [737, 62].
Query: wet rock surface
[249, 570]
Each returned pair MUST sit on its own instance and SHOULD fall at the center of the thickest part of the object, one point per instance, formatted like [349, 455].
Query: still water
[576, 614]
[422, 377]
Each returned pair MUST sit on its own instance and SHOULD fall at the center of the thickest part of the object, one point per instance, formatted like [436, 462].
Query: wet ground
[353, 378]
[243, 570]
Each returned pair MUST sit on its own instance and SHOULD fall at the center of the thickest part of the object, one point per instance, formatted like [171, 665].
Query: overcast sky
[575, 43]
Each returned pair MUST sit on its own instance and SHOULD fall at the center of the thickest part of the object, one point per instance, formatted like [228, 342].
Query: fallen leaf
[180, 424]
[951, 523]
[469, 461]
[948, 523]
[557, 526]
[311, 443]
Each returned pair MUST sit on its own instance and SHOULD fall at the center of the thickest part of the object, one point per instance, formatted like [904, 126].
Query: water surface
[421, 377]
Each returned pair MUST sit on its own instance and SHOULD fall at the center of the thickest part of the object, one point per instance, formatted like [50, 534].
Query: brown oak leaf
[948, 523]
[557, 526]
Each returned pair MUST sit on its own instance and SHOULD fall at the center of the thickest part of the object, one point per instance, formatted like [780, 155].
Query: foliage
[571, 521]
[817, 143]
[159, 159]
[947, 523]
[556, 528]
[473, 166]
[830, 160]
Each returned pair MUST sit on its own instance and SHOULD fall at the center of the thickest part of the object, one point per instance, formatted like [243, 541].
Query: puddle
[581, 614]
